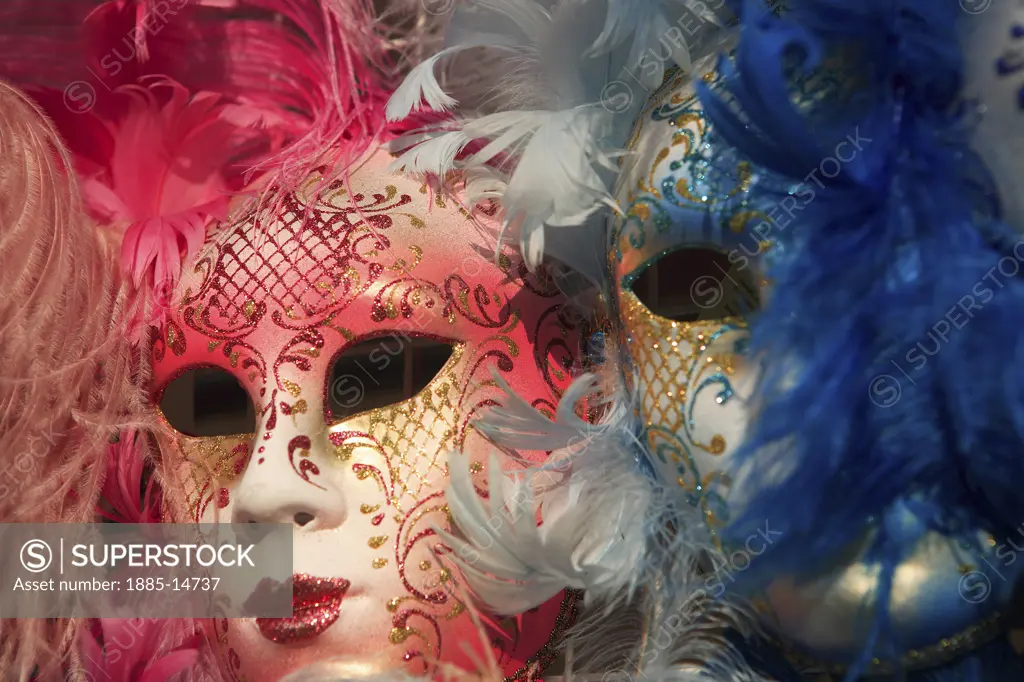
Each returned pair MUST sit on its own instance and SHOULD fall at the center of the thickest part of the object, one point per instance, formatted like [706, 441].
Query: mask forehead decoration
[378, 259]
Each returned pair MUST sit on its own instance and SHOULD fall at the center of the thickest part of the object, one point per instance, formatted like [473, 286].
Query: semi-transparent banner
[157, 570]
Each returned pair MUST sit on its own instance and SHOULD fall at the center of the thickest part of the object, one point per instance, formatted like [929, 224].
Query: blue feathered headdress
[892, 343]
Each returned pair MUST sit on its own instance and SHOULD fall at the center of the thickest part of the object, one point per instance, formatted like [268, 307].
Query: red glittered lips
[316, 604]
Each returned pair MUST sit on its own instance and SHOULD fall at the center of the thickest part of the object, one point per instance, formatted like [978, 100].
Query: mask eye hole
[207, 402]
[694, 284]
[383, 371]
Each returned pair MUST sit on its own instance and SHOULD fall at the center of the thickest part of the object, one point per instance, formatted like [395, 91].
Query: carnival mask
[312, 315]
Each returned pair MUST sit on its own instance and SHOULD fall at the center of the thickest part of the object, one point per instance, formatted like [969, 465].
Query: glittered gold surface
[670, 359]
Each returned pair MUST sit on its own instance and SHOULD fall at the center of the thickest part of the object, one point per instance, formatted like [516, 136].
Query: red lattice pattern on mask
[313, 259]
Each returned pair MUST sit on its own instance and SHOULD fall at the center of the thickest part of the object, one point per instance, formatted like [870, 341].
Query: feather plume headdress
[170, 109]
[567, 80]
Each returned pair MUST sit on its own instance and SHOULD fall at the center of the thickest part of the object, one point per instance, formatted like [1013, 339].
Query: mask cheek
[207, 470]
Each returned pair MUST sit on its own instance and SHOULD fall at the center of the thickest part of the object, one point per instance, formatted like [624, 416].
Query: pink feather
[166, 178]
[307, 81]
[118, 650]
[122, 492]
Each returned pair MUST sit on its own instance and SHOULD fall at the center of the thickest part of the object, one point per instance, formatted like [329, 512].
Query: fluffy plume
[645, 24]
[171, 107]
[135, 650]
[68, 377]
[869, 409]
[123, 499]
[514, 565]
[607, 527]
[590, 498]
[574, 76]
[687, 626]
[518, 424]
[165, 179]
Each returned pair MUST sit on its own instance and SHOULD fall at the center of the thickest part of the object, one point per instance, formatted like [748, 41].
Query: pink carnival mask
[276, 306]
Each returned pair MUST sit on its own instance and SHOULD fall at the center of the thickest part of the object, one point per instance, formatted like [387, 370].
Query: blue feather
[892, 339]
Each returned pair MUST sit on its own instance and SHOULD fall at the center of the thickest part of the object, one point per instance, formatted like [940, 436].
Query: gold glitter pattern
[671, 188]
[940, 653]
[415, 436]
[674, 363]
[674, 200]
[248, 278]
[207, 464]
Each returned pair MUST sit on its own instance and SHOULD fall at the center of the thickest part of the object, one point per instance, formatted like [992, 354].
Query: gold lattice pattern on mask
[417, 435]
[207, 463]
[668, 359]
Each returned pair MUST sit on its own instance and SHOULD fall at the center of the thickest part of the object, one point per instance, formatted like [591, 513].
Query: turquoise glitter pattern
[691, 201]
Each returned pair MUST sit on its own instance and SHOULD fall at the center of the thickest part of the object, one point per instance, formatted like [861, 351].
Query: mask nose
[289, 482]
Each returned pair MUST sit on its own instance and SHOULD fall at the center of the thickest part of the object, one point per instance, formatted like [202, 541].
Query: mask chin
[350, 670]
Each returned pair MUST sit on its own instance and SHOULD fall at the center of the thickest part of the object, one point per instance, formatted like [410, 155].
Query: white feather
[659, 33]
[501, 24]
[560, 171]
[556, 139]
[422, 85]
[592, 536]
[419, 86]
[428, 153]
[517, 21]
[558, 179]
[608, 530]
[517, 424]
[483, 182]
